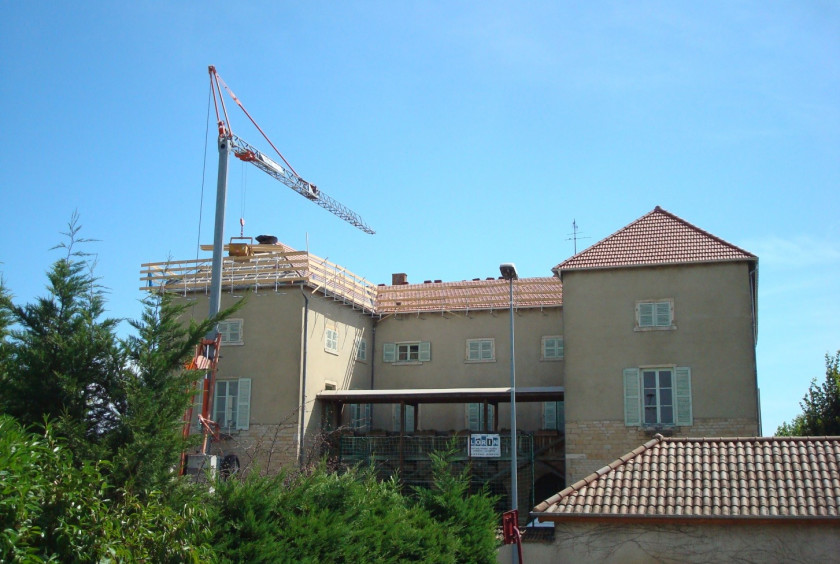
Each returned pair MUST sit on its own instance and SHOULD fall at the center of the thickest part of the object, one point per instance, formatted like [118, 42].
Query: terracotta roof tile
[658, 237]
[711, 477]
[468, 295]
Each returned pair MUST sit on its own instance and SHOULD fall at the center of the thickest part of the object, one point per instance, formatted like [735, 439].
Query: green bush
[54, 510]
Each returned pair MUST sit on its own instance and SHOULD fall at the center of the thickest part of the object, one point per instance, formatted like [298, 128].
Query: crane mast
[227, 143]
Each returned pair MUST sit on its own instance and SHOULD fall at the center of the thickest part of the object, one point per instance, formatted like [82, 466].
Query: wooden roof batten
[275, 266]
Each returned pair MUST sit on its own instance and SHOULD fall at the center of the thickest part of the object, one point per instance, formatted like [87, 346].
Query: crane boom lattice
[246, 152]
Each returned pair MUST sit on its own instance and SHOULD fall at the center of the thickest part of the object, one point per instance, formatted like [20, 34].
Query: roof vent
[399, 279]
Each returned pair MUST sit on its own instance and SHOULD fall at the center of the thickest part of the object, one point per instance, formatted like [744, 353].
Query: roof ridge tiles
[657, 238]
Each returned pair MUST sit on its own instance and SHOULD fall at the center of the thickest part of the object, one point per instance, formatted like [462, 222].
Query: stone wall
[262, 448]
[591, 445]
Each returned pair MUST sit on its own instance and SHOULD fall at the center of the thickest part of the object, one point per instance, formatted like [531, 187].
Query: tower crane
[207, 353]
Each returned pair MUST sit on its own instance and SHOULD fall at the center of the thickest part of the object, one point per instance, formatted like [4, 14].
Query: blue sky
[466, 133]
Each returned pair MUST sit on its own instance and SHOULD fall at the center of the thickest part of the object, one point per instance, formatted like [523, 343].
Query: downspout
[372, 366]
[303, 375]
[754, 295]
[373, 355]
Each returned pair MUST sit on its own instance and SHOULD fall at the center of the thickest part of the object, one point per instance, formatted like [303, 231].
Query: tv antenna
[574, 234]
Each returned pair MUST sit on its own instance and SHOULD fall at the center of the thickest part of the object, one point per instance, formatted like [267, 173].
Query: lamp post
[508, 271]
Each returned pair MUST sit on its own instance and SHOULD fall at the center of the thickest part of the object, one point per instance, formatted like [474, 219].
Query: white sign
[485, 446]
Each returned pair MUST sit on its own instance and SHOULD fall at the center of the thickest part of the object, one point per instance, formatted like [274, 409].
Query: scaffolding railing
[263, 271]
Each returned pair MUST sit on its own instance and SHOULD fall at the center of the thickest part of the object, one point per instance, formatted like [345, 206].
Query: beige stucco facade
[637, 303]
[712, 333]
[447, 334]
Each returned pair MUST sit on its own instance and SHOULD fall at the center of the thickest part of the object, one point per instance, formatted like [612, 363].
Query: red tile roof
[760, 477]
[468, 295]
[658, 237]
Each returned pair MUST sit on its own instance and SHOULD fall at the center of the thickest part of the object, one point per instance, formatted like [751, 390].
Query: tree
[471, 519]
[61, 359]
[157, 393]
[820, 407]
[121, 401]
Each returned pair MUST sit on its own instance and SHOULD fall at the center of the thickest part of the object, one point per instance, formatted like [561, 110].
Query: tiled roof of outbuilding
[760, 477]
[656, 238]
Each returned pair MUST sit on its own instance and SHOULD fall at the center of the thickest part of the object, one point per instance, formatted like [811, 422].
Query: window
[232, 404]
[360, 417]
[413, 352]
[476, 418]
[410, 418]
[231, 330]
[361, 350]
[657, 314]
[481, 350]
[331, 340]
[554, 415]
[657, 396]
[552, 348]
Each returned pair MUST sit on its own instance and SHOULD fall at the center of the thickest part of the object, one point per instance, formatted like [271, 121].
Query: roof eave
[625, 517]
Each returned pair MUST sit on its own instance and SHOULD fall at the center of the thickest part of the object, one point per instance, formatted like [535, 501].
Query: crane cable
[203, 176]
[220, 81]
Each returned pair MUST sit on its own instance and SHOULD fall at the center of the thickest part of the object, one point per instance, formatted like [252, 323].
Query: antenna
[574, 234]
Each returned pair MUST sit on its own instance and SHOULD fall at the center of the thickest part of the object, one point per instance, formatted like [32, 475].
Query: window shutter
[663, 314]
[474, 416]
[473, 350]
[243, 414]
[632, 407]
[197, 401]
[487, 350]
[389, 352]
[367, 416]
[425, 351]
[682, 403]
[549, 415]
[220, 403]
[646, 314]
[354, 415]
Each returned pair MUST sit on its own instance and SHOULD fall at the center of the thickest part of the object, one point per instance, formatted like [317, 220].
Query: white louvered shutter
[243, 413]
[632, 406]
[389, 352]
[682, 396]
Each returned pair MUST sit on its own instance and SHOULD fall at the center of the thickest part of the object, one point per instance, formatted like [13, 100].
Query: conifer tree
[62, 358]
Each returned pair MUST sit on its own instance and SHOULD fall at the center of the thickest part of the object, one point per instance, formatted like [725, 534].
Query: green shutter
[243, 414]
[195, 425]
[425, 351]
[663, 314]
[646, 314]
[487, 350]
[632, 405]
[474, 416]
[682, 397]
[389, 352]
[549, 415]
[409, 418]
